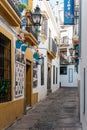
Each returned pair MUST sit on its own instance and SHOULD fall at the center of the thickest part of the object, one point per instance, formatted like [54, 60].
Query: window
[45, 27]
[5, 69]
[63, 70]
[42, 73]
[56, 75]
[49, 39]
[35, 75]
[53, 74]
[70, 75]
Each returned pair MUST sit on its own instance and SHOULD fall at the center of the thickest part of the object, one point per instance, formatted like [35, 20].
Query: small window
[56, 75]
[42, 73]
[53, 74]
[35, 75]
[63, 70]
[5, 69]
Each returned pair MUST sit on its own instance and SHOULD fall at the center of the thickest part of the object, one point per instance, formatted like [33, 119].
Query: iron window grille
[63, 70]
[56, 75]
[5, 69]
[14, 6]
[42, 73]
[53, 74]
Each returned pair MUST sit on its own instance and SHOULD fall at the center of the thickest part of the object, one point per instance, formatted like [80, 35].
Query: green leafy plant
[22, 6]
[4, 85]
[37, 32]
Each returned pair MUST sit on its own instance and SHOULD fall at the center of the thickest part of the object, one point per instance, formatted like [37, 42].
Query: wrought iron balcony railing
[15, 7]
[32, 30]
[52, 46]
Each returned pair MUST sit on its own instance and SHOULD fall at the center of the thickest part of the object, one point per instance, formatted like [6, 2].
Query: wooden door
[28, 84]
[49, 78]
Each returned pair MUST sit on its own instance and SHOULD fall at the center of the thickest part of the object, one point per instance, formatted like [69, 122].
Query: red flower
[75, 58]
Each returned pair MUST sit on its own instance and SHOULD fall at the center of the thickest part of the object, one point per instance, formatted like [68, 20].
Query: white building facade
[83, 65]
[68, 76]
[48, 72]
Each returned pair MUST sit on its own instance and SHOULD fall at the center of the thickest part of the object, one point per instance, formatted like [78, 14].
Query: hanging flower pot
[76, 42]
[75, 57]
[76, 52]
[24, 22]
[22, 6]
[23, 47]
[36, 56]
[18, 44]
[28, 14]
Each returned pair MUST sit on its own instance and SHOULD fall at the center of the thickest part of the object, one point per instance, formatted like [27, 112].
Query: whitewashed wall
[42, 89]
[83, 65]
[55, 86]
[71, 79]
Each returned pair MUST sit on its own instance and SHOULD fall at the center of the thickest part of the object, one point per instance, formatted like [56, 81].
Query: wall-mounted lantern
[36, 16]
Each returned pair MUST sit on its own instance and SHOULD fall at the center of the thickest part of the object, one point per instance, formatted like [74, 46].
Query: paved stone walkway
[59, 111]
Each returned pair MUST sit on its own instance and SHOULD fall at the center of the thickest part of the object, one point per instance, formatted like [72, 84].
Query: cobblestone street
[59, 111]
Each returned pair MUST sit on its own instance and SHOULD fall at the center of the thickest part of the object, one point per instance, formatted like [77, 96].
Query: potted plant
[4, 85]
[28, 13]
[37, 31]
[18, 41]
[22, 6]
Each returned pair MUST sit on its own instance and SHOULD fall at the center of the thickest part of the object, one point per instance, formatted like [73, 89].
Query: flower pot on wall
[23, 47]
[75, 57]
[28, 14]
[24, 22]
[18, 44]
[35, 56]
[22, 6]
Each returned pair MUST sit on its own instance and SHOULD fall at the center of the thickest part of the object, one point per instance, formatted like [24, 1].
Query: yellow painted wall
[10, 36]
[30, 4]
[29, 55]
[10, 111]
[34, 98]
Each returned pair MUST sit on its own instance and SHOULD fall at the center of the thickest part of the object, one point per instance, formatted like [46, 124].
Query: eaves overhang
[51, 54]
[9, 14]
[31, 39]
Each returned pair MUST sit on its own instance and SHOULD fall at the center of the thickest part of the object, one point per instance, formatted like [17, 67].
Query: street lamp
[36, 16]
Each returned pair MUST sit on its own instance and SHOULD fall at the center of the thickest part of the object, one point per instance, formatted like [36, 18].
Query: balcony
[10, 12]
[32, 35]
[52, 48]
[64, 41]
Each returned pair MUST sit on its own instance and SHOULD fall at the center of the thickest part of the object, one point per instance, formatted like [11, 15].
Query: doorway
[28, 84]
[49, 80]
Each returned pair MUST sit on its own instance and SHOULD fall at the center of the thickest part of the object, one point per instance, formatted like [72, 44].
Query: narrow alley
[59, 111]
